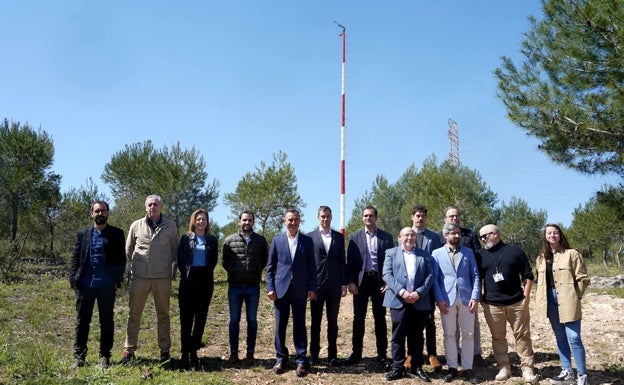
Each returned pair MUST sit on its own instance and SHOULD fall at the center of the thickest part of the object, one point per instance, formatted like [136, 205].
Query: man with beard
[457, 292]
[97, 266]
[245, 255]
[507, 279]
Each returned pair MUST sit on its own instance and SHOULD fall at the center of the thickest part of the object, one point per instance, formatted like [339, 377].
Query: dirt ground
[603, 336]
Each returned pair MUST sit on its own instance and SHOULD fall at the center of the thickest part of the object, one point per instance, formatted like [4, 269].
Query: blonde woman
[561, 282]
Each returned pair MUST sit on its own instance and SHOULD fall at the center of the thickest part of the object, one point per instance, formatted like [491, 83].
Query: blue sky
[242, 80]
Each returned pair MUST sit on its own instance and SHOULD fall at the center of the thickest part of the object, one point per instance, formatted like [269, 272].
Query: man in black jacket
[97, 267]
[245, 255]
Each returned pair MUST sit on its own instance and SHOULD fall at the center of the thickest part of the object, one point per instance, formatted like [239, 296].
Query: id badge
[498, 277]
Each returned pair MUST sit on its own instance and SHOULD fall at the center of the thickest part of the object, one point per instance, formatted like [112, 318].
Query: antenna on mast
[343, 34]
[453, 134]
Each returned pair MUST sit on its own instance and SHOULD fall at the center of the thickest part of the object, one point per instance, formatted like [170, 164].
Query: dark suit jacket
[331, 266]
[282, 270]
[431, 241]
[356, 254]
[114, 253]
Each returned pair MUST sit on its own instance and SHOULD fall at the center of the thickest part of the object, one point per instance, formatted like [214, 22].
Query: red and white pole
[343, 33]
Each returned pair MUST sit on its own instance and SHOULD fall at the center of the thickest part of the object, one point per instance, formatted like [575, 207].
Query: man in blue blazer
[331, 280]
[291, 282]
[457, 292]
[407, 272]
[365, 260]
[426, 240]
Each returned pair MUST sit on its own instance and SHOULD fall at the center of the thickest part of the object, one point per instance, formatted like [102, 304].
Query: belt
[371, 273]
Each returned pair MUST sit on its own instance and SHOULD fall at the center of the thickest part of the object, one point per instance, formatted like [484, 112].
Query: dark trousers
[85, 302]
[407, 323]
[369, 288]
[328, 295]
[430, 331]
[194, 297]
[283, 307]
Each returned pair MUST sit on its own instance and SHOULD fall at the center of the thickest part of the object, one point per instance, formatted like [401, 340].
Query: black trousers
[194, 297]
[85, 302]
[327, 296]
[369, 289]
[407, 323]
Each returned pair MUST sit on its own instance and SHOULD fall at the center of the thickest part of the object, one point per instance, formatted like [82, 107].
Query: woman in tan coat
[561, 282]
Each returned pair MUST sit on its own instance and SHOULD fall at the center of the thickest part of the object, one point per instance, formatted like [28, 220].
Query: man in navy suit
[97, 266]
[291, 282]
[457, 292]
[408, 274]
[365, 260]
[426, 240]
[331, 281]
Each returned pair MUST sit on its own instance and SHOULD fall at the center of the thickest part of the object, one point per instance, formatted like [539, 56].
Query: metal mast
[454, 138]
[343, 33]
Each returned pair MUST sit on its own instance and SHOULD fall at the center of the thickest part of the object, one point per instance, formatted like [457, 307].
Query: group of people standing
[448, 270]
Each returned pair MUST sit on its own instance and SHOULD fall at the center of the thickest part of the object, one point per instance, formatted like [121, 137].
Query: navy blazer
[356, 253]
[283, 271]
[331, 266]
[395, 276]
[114, 253]
[450, 283]
[431, 241]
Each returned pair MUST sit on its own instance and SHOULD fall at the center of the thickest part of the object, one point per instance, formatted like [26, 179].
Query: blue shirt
[95, 273]
[199, 252]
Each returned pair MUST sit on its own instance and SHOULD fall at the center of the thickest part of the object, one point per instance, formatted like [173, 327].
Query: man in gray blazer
[408, 276]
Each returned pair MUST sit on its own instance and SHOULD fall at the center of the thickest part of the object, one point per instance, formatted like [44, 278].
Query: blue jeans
[237, 294]
[568, 336]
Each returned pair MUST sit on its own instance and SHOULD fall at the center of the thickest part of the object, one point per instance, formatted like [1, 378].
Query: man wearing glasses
[470, 240]
[507, 278]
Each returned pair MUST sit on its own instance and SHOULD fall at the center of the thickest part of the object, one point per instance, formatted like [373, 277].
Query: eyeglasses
[486, 235]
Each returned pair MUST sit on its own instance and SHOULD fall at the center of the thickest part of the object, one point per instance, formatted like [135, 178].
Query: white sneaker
[566, 377]
[582, 380]
[528, 376]
[503, 374]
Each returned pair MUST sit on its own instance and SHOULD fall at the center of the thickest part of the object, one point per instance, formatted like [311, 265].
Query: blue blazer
[431, 241]
[283, 271]
[395, 276]
[331, 265]
[356, 254]
[449, 283]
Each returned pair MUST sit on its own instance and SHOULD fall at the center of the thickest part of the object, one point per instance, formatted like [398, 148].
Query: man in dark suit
[365, 260]
[408, 274]
[329, 253]
[97, 266]
[291, 282]
[469, 239]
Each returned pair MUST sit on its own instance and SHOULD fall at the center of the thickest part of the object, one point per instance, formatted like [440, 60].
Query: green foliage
[267, 192]
[177, 175]
[567, 92]
[26, 180]
[522, 226]
[436, 186]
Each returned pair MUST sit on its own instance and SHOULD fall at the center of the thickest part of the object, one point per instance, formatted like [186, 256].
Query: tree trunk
[604, 256]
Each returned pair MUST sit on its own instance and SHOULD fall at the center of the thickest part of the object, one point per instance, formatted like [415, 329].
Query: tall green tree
[26, 156]
[435, 185]
[521, 225]
[178, 175]
[567, 89]
[268, 192]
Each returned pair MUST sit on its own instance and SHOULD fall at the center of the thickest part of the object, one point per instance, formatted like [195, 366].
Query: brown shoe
[249, 360]
[78, 363]
[278, 368]
[435, 364]
[301, 371]
[233, 359]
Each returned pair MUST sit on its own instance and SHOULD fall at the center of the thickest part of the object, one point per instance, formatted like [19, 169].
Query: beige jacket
[152, 253]
[571, 280]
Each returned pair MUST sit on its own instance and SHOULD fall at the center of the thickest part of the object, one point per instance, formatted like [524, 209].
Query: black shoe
[278, 368]
[470, 377]
[478, 361]
[164, 357]
[313, 360]
[334, 361]
[381, 359]
[452, 373]
[352, 359]
[184, 361]
[395, 374]
[301, 370]
[194, 359]
[126, 358]
[420, 373]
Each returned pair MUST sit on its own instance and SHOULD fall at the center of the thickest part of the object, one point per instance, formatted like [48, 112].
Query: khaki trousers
[139, 290]
[518, 317]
